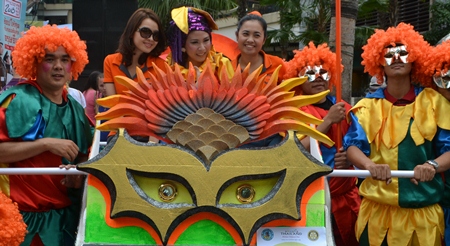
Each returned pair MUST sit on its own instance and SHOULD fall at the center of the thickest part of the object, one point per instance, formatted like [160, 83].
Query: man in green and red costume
[318, 64]
[42, 126]
[401, 127]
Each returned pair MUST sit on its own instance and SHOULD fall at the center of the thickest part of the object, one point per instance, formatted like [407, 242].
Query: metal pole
[72, 171]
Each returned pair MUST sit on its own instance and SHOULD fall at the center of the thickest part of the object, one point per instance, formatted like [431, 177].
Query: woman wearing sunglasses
[140, 45]
[190, 41]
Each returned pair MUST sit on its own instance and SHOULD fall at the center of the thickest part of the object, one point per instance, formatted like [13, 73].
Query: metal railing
[73, 171]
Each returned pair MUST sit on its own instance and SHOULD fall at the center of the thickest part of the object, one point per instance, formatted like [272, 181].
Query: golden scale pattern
[207, 133]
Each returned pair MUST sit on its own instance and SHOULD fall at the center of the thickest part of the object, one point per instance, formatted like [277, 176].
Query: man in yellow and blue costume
[400, 127]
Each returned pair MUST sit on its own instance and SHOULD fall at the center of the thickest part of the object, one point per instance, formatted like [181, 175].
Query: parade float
[203, 183]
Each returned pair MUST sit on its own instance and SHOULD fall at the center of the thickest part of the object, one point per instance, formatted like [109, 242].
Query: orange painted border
[123, 221]
[316, 185]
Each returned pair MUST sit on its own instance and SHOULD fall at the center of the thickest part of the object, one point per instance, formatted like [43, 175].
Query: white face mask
[313, 72]
[394, 53]
[442, 79]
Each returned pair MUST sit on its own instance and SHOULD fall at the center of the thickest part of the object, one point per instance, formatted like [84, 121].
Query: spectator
[94, 89]
[3, 71]
[7, 62]
[16, 79]
[76, 94]
[374, 85]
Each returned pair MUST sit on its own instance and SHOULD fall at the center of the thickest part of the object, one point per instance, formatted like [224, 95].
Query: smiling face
[198, 44]
[250, 37]
[145, 45]
[54, 70]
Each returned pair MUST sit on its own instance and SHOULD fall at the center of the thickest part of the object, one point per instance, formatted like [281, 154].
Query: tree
[163, 7]
[439, 21]
[349, 11]
[290, 14]
[316, 18]
[313, 15]
[242, 8]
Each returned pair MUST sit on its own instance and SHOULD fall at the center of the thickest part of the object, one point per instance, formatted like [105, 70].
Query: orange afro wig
[440, 58]
[417, 47]
[311, 56]
[12, 227]
[30, 49]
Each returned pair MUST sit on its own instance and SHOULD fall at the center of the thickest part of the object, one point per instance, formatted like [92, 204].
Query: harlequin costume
[345, 200]
[439, 67]
[185, 20]
[402, 133]
[113, 66]
[270, 64]
[27, 115]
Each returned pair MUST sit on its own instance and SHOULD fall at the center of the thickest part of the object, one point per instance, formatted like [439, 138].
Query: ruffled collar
[388, 124]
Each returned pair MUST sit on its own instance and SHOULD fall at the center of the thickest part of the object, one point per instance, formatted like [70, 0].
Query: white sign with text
[281, 236]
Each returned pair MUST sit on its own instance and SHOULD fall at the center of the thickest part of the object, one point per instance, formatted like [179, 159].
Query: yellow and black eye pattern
[249, 190]
[162, 190]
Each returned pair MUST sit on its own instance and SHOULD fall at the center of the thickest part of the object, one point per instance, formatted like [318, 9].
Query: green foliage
[368, 7]
[317, 20]
[313, 15]
[362, 33]
[290, 15]
[439, 21]
[163, 7]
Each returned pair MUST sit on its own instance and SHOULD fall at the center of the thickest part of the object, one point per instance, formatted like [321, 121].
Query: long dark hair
[92, 81]
[126, 45]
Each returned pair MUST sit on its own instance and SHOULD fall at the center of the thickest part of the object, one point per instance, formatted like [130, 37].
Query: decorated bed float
[204, 184]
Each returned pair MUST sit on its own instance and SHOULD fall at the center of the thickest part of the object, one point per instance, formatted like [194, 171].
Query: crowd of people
[399, 125]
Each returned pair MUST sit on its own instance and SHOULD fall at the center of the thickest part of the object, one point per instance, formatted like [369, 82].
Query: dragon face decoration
[201, 167]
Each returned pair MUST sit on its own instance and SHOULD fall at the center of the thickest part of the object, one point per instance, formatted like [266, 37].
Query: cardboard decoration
[166, 184]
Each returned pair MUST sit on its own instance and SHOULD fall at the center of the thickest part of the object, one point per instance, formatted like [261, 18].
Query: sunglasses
[146, 32]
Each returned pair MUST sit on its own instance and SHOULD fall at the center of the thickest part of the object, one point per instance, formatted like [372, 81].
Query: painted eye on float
[162, 189]
[249, 190]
